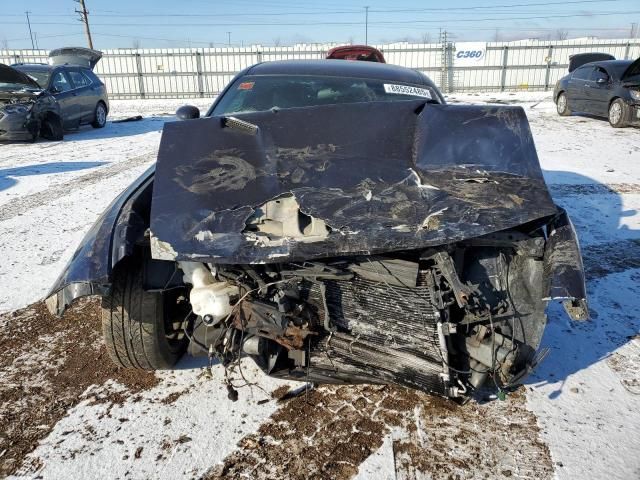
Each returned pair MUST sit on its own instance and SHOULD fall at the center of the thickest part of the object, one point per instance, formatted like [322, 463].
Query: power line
[391, 22]
[334, 12]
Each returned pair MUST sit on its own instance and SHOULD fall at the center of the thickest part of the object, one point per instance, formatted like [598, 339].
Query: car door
[85, 95]
[62, 89]
[577, 90]
[599, 92]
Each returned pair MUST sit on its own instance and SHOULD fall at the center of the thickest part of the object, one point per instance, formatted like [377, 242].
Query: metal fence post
[626, 51]
[259, 56]
[547, 75]
[450, 82]
[139, 71]
[199, 73]
[505, 57]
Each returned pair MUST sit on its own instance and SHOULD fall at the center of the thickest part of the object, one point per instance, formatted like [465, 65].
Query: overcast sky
[201, 23]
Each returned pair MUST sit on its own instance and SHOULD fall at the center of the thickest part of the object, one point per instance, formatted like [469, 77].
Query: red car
[356, 52]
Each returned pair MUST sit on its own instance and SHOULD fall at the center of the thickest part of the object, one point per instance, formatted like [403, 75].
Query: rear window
[79, 79]
[582, 73]
[264, 92]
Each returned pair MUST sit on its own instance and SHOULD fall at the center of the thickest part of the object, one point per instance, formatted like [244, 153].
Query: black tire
[618, 113]
[562, 105]
[99, 116]
[141, 329]
[52, 128]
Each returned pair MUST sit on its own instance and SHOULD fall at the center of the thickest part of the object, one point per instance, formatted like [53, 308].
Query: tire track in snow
[565, 190]
[20, 205]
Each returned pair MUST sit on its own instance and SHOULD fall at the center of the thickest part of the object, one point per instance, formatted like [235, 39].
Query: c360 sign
[471, 54]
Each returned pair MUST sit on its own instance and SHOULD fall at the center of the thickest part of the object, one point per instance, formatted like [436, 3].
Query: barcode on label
[407, 90]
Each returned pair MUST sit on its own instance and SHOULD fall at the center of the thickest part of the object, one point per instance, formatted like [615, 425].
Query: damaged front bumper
[422, 254]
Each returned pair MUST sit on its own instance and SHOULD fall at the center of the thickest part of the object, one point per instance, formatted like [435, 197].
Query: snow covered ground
[581, 410]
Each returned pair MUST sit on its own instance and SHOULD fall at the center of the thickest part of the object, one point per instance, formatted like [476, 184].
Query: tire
[100, 116]
[618, 113]
[52, 128]
[143, 330]
[562, 105]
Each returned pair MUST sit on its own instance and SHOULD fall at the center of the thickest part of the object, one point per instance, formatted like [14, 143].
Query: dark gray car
[609, 88]
[46, 99]
[338, 222]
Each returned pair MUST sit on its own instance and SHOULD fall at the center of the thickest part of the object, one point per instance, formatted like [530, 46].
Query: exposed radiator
[383, 333]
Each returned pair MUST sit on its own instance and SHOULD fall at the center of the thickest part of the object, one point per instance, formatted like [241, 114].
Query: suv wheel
[142, 329]
[100, 117]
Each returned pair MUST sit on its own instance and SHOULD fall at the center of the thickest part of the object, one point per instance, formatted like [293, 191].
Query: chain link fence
[203, 72]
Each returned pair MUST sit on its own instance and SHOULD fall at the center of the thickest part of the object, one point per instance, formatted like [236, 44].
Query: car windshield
[40, 76]
[13, 87]
[264, 92]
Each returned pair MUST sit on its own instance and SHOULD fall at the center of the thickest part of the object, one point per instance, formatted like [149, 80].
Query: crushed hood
[84, 57]
[365, 178]
[632, 70]
[11, 75]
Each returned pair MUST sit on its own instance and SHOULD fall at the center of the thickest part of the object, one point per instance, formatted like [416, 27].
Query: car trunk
[83, 57]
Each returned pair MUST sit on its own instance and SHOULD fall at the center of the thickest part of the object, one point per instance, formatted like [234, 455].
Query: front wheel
[618, 111]
[562, 105]
[100, 116]
[143, 330]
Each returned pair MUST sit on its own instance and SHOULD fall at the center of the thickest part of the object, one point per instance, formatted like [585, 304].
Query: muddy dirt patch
[46, 363]
[330, 431]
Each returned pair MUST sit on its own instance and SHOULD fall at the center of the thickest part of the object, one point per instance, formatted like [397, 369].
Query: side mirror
[187, 112]
[54, 90]
[602, 81]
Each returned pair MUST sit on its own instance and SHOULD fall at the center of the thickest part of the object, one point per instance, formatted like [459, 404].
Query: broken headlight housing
[635, 94]
[20, 108]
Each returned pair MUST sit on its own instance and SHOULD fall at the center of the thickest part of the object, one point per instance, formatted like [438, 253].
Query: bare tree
[5, 44]
[562, 34]
[426, 37]
[496, 35]
[135, 43]
[350, 41]
[277, 42]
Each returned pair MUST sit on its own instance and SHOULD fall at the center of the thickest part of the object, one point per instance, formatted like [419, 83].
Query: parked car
[356, 52]
[336, 222]
[46, 99]
[609, 88]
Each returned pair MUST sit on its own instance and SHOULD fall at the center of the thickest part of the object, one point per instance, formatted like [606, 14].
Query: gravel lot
[65, 412]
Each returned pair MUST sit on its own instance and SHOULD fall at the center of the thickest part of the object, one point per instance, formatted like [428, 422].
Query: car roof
[43, 67]
[341, 68]
[617, 67]
[33, 66]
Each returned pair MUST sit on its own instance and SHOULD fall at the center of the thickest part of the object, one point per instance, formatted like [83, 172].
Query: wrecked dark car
[605, 88]
[43, 100]
[338, 223]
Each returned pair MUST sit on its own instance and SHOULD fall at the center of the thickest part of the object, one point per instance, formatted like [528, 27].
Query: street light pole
[366, 25]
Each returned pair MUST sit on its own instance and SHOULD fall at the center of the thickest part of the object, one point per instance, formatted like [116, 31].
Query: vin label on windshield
[407, 90]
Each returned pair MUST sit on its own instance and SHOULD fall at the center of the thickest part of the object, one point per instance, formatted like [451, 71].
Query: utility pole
[30, 34]
[35, 37]
[84, 18]
[366, 25]
[229, 38]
